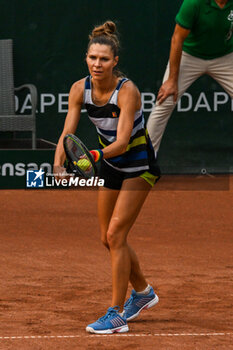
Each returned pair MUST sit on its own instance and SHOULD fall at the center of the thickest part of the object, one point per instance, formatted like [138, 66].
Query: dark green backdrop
[50, 39]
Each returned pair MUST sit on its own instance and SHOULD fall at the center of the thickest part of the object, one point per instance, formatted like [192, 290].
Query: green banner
[15, 163]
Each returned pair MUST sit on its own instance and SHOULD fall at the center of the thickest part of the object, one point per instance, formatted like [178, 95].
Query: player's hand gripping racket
[80, 160]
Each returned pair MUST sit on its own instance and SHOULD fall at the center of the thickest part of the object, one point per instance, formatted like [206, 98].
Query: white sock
[145, 291]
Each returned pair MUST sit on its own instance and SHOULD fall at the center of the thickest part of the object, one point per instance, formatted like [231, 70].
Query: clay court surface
[56, 278]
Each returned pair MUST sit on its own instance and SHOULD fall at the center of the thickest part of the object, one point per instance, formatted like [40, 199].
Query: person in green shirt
[202, 43]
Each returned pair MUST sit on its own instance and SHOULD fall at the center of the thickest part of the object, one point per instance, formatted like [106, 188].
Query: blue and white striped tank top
[105, 118]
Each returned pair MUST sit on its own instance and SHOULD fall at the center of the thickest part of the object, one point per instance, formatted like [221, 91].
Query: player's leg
[112, 322]
[124, 261]
[221, 69]
[106, 203]
[191, 68]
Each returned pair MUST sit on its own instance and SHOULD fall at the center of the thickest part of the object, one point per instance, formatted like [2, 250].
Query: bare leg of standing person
[117, 215]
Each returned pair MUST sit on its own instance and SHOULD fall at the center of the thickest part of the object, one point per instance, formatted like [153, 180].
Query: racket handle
[97, 154]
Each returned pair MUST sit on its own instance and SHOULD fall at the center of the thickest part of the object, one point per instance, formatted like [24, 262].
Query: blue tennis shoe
[110, 323]
[137, 302]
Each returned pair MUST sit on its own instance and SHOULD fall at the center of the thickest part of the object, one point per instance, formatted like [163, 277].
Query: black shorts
[114, 178]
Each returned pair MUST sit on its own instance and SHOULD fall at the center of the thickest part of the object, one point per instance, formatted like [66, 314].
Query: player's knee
[115, 234]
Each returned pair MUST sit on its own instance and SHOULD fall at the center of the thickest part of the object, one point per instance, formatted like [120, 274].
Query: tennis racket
[80, 160]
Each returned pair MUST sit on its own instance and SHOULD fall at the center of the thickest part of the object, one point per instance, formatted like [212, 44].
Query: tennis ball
[83, 164]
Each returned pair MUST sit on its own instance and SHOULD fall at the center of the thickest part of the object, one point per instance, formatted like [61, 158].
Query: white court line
[118, 335]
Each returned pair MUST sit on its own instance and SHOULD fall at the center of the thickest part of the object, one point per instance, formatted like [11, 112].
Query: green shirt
[211, 28]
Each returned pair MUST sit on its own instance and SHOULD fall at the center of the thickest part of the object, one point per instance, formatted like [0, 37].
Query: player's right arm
[71, 122]
[170, 86]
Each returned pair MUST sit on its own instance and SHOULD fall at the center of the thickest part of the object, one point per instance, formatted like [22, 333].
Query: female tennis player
[128, 167]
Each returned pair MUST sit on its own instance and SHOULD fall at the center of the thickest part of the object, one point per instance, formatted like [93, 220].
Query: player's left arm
[129, 101]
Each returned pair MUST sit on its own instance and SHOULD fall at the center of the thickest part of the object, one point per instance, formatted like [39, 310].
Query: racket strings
[79, 160]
